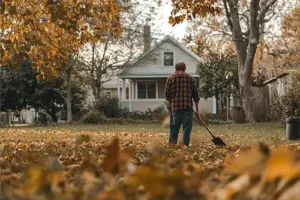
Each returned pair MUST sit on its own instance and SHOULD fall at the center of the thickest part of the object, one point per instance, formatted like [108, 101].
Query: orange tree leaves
[48, 32]
[291, 34]
[115, 160]
[88, 168]
[188, 9]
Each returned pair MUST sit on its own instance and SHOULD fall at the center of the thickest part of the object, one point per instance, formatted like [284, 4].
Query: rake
[216, 140]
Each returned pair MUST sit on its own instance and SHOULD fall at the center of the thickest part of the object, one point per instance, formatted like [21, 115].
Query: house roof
[168, 37]
[275, 78]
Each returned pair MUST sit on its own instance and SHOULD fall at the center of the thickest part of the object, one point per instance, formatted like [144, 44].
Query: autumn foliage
[97, 165]
[291, 35]
[48, 32]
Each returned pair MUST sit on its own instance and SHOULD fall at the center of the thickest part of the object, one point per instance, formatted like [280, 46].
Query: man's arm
[196, 96]
[168, 90]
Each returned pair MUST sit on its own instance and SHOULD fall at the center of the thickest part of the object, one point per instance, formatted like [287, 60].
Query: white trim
[129, 90]
[214, 105]
[119, 93]
[148, 80]
[156, 89]
[141, 100]
[186, 49]
[153, 76]
[124, 88]
[156, 46]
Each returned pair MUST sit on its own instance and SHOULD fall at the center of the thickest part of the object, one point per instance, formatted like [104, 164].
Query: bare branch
[254, 27]
[265, 6]
[228, 15]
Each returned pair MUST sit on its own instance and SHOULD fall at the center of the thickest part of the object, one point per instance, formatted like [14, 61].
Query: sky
[177, 31]
[162, 25]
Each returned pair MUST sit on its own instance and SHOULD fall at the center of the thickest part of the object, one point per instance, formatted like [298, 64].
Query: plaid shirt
[181, 88]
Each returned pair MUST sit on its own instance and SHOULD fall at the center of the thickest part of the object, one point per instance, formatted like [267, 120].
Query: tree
[21, 90]
[101, 61]
[246, 20]
[17, 87]
[48, 32]
[219, 76]
[291, 35]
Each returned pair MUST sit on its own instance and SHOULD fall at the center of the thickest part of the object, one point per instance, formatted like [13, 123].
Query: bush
[111, 109]
[291, 101]
[289, 104]
[94, 117]
[109, 106]
[277, 109]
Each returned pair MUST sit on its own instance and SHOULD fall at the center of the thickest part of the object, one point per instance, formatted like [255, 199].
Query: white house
[147, 76]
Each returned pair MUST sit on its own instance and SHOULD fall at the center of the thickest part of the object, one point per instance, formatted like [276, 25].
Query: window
[108, 94]
[168, 58]
[146, 90]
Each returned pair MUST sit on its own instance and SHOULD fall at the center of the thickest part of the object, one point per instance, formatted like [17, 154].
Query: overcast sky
[162, 27]
[177, 31]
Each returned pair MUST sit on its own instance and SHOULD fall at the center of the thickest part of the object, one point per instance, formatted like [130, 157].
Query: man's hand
[197, 110]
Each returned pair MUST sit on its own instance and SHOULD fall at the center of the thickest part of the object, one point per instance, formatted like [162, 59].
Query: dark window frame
[147, 89]
[168, 62]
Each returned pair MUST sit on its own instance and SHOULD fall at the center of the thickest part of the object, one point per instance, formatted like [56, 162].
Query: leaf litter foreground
[119, 165]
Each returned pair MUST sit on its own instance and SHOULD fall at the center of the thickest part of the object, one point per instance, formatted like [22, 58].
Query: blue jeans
[184, 117]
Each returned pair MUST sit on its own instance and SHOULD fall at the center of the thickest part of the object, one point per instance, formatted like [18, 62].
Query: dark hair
[180, 66]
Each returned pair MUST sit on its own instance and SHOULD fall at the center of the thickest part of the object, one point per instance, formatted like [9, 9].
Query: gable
[151, 63]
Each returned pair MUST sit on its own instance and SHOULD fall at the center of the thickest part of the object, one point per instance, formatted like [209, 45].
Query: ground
[140, 164]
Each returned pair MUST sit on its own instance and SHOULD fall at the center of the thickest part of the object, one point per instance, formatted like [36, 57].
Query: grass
[232, 134]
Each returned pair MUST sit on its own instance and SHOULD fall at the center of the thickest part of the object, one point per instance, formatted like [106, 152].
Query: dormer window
[168, 58]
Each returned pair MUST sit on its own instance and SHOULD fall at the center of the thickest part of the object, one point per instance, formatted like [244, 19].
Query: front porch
[205, 106]
[149, 93]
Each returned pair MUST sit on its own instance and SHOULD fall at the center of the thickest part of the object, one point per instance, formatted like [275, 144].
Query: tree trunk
[53, 115]
[217, 101]
[246, 49]
[69, 99]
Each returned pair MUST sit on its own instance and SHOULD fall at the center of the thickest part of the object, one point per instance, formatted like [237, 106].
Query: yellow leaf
[250, 162]
[282, 163]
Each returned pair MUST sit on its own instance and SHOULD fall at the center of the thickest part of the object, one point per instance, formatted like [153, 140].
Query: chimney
[147, 41]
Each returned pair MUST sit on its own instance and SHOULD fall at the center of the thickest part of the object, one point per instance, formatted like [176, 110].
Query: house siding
[205, 105]
[153, 63]
[279, 87]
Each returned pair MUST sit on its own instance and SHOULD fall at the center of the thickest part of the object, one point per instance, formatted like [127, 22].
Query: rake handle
[198, 117]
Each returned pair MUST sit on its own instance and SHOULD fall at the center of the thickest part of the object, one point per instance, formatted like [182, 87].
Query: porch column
[214, 105]
[133, 89]
[123, 88]
[129, 90]
[118, 82]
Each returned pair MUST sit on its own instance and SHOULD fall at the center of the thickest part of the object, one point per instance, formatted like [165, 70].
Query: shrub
[109, 106]
[289, 104]
[94, 117]
[291, 101]
[277, 109]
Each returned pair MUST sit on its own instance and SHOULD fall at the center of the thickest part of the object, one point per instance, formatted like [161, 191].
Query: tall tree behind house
[101, 61]
[247, 21]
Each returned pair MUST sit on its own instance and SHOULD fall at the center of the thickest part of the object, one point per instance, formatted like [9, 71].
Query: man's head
[180, 66]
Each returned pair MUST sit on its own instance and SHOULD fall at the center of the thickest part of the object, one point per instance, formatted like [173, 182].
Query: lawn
[233, 134]
[87, 162]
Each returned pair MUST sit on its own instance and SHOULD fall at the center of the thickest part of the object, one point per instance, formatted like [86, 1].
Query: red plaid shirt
[181, 88]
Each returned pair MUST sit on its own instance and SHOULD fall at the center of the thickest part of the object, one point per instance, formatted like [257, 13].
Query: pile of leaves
[98, 165]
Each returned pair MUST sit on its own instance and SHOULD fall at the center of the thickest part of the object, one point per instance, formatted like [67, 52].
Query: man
[181, 89]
